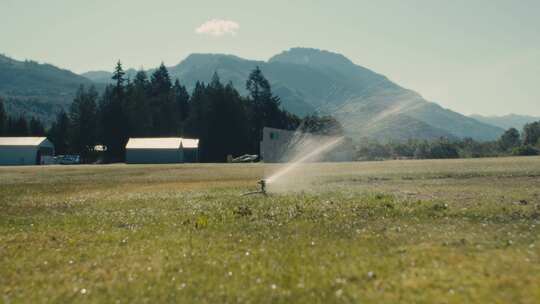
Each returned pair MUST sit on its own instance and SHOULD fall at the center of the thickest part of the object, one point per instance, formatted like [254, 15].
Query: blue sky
[471, 56]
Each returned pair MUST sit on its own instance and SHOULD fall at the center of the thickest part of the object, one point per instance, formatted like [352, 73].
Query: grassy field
[449, 231]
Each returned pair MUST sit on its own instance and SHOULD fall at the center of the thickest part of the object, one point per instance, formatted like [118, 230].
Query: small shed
[25, 150]
[168, 150]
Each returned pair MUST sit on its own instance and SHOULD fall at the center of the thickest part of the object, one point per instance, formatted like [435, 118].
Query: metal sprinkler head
[262, 183]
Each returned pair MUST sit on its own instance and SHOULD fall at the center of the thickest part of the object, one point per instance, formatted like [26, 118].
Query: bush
[526, 150]
[443, 149]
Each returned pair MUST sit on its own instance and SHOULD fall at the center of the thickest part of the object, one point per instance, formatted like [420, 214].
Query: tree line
[512, 142]
[19, 125]
[224, 121]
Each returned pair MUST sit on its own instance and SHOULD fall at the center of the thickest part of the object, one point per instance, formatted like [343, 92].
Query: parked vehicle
[247, 158]
[68, 159]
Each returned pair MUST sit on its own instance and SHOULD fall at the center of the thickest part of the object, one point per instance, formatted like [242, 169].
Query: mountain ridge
[506, 121]
[314, 81]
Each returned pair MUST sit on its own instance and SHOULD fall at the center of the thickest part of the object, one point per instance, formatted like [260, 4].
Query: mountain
[314, 81]
[368, 104]
[36, 89]
[307, 80]
[104, 77]
[507, 121]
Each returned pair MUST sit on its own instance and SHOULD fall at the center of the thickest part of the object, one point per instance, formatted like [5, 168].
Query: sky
[471, 56]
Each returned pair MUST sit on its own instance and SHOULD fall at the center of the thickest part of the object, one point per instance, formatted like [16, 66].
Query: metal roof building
[167, 150]
[25, 150]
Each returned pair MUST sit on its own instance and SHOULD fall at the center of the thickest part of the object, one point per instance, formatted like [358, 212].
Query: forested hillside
[33, 89]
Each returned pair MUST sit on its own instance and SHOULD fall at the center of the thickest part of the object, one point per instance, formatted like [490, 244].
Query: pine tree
[36, 127]
[531, 133]
[139, 112]
[509, 140]
[197, 122]
[18, 126]
[59, 133]
[160, 80]
[236, 119]
[163, 103]
[118, 76]
[266, 106]
[114, 127]
[3, 118]
[83, 117]
[182, 100]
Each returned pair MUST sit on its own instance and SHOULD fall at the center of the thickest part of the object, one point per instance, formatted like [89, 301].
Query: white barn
[25, 150]
[167, 150]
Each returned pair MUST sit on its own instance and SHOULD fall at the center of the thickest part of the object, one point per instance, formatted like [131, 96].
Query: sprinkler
[262, 184]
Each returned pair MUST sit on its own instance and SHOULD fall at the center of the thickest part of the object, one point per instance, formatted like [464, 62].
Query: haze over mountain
[507, 121]
[314, 81]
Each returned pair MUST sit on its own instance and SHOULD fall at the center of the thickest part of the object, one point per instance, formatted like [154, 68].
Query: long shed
[25, 150]
[168, 150]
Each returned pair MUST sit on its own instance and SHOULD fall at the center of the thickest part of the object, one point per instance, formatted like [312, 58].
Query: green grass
[449, 231]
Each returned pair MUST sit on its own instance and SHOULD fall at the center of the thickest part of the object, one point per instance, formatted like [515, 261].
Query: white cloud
[218, 27]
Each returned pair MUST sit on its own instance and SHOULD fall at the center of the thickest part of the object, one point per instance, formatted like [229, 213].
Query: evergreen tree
[218, 117]
[509, 140]
[36, 127]
[531, 133]
[182, 100]
[3, 118]
[59, 133]
[236, 118]
[10, 126]
[18, 126]
[139, 112]
[197, 123]
[83, 118]
[266, 107]
[113, 131]
[118, 76]
[113, 116]
[163, 103]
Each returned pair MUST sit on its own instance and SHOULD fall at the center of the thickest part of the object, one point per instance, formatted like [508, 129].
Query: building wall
[154, 156]
[276, 142]
[191, 155]
[18, 155]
